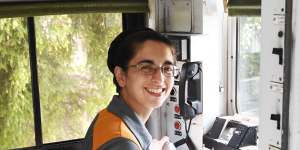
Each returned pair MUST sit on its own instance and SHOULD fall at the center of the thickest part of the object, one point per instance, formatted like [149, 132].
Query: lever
[279, 52]
[276, 117]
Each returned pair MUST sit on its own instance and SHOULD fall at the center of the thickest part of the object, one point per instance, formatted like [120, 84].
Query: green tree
[16, 117]
[72, 90]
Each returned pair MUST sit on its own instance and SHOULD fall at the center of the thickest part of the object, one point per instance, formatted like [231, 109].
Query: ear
[120, 76]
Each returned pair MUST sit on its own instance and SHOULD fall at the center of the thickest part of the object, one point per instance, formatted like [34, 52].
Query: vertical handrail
[287, 74]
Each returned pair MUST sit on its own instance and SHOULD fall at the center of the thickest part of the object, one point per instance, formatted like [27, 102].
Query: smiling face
[144, 92]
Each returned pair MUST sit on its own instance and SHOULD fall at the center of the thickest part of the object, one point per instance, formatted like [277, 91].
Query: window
[74, 82]
[16, 112]
[73, 77]
[248, 60]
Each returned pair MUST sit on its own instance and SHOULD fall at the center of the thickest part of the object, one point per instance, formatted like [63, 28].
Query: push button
[177, 109]
[177, 125]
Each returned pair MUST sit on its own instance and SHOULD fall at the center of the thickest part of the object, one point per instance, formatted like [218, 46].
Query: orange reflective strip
[109, 126]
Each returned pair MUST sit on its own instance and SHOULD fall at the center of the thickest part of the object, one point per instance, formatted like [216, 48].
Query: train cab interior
[236, 89]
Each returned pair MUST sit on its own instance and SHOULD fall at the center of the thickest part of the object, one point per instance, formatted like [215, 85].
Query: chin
[157, 104]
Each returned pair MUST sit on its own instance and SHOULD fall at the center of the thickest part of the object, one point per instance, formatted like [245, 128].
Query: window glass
[74, 80]
[249, 47]
[16, 111]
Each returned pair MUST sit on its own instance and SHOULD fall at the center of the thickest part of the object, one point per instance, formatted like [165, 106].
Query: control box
[179, 16]
[271, 70]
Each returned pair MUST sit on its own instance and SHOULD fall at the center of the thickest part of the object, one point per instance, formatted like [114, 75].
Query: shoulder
[110, 125]
[110, 128]
[119, 143]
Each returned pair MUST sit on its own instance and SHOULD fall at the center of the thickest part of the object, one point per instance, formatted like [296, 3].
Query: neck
[143, 115]
[142, 112]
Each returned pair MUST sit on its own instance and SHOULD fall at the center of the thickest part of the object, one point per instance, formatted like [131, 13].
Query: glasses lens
[149, 69]
[146, 68]
[168, 70]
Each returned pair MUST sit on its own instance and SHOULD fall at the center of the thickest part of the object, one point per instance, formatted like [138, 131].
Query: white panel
[196, 132]
[207, 48]
[271, 73]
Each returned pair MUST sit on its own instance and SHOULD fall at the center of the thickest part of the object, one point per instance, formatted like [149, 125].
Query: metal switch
[276, 117]
[279, 52]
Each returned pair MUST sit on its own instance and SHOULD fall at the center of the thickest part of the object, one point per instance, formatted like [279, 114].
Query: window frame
[232, 61]
[135, 18]
[26, 8]
[231, 58]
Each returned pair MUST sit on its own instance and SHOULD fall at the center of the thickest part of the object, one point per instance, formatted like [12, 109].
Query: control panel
[272, 62]
[183, 107]
[180, 117]
[174, 121]
[179, 16]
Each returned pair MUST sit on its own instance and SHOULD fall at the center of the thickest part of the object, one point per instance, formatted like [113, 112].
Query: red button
[177, 125]
[177, 109]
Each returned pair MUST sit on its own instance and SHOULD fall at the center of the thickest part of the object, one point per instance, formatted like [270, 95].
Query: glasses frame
[175, 71]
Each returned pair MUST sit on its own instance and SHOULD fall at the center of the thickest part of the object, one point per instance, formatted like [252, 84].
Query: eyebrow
[167, 62]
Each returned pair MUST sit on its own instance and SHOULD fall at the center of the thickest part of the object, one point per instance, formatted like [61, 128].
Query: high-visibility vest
[109, 126]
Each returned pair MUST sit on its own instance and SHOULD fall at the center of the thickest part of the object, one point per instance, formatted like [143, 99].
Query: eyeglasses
[168, 70]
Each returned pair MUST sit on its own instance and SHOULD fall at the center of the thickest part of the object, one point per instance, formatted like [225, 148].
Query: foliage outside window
[73, 77]
[249, 47]
[16, 112]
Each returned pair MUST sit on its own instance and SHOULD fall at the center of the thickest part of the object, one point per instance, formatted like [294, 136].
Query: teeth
[155, 90]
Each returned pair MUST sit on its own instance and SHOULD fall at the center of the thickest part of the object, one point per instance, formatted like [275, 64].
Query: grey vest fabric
[118, 107]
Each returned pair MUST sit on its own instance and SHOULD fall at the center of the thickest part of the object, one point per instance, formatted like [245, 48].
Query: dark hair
[124, 47]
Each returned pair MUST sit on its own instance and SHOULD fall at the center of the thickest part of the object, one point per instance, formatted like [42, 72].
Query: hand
[158, 144]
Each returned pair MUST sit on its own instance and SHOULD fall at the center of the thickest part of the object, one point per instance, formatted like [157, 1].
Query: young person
[143, 65]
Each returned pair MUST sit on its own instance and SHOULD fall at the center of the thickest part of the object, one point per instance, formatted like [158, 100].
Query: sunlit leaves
[73, 78]
[16, 118]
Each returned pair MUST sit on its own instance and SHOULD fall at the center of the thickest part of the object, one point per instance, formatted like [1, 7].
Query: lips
[155, 91]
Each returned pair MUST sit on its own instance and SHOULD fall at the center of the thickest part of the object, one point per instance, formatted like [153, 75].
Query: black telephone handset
[190, 105]
[191, 75]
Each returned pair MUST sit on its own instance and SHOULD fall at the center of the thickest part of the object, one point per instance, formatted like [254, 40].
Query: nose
[158, 75]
